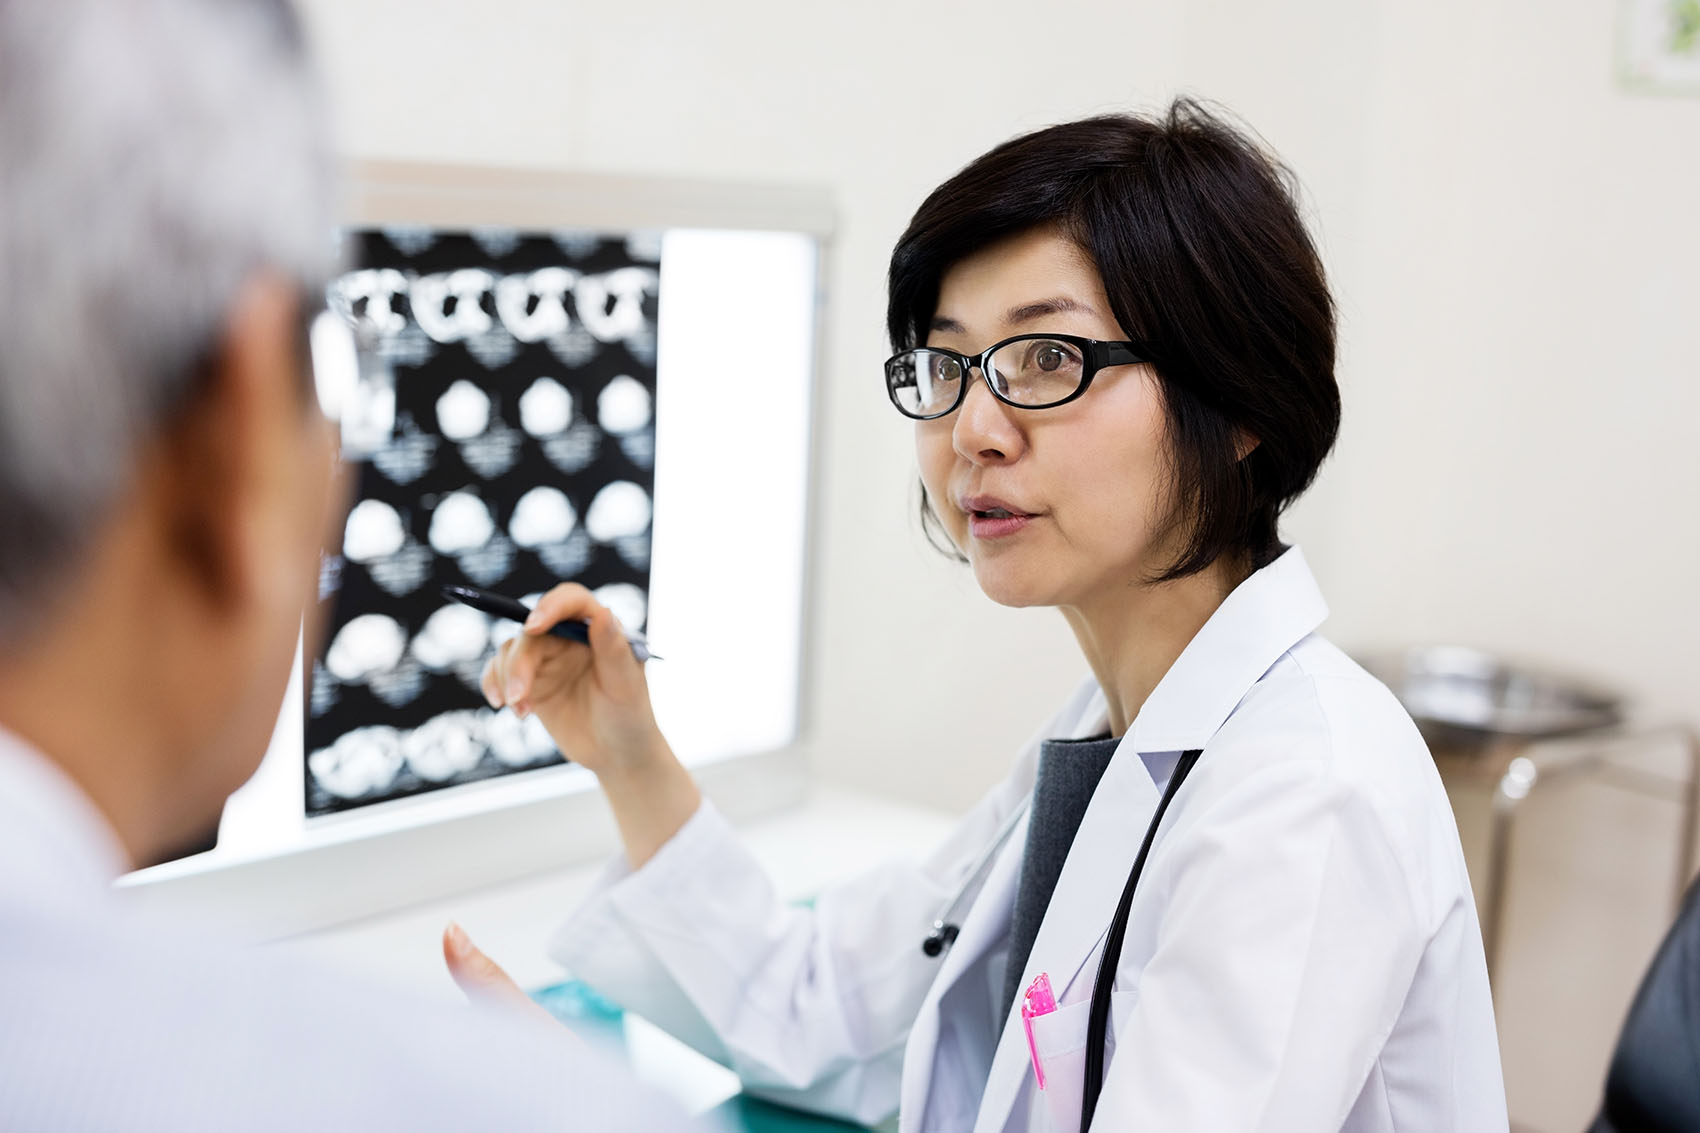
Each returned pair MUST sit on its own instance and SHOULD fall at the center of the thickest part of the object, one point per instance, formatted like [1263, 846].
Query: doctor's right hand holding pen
[595, 705]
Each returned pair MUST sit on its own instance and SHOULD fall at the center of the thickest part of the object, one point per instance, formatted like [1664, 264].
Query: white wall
[1520, 469]
[1514, 242]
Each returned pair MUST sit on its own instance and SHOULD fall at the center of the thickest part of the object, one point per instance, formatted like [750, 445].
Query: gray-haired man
[165, 483]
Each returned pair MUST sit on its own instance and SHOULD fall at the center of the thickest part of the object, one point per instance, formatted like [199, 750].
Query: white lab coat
[1302, 954]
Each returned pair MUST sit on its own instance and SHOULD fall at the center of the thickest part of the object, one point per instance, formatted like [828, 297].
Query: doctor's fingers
[564, 601]
[497, 683]
[491, 681]
[520, 661]
[616, 666]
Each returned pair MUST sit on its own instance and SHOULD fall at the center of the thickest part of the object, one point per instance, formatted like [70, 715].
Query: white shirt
[1302, 954]
[108, 1023]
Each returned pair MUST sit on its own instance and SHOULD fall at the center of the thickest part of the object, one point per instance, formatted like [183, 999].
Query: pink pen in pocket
[1039, 1001]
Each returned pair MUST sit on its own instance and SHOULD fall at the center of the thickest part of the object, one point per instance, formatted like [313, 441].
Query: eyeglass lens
[1032, 372]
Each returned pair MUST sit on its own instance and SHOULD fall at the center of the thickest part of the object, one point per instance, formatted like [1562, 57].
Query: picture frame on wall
[1659, 46]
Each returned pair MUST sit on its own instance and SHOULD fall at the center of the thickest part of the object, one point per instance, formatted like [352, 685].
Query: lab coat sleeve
[1290, 939]
[809, 1004]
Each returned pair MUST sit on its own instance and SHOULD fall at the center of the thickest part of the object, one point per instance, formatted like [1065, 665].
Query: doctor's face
[1052, 507]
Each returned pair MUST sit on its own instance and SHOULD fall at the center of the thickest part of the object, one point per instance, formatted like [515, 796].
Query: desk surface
[805, 849]
[603, 1023]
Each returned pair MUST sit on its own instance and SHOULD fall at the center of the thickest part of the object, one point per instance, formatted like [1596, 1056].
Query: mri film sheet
[504, 419]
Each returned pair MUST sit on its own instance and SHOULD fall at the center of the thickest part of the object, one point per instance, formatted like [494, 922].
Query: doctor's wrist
[636, 764]
[652, 797]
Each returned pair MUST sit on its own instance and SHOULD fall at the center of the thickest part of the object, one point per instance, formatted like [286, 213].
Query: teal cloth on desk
[578, 1005]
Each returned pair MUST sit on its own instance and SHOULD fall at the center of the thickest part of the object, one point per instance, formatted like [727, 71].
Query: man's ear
[217, 458]
[1244, 444]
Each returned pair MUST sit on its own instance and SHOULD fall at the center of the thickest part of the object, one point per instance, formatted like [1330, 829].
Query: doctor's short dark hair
[1196, 233]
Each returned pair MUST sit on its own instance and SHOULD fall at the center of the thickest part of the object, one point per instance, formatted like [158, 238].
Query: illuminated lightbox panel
[501, 411]
[629, 409]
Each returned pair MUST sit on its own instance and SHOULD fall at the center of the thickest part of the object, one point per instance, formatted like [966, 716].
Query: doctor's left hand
[484, 981]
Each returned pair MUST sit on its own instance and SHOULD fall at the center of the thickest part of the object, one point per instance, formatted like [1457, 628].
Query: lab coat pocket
[1059, 1040]
[1059, 1046]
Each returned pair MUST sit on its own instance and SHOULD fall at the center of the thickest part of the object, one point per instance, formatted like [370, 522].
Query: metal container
[1465, 699]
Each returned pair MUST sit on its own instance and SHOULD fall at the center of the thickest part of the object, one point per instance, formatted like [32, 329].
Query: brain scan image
[460, 522]
[542, 516]
[369, 644]
[619, 510]
[358, 763]
[445, 746]
[463, 412]
[514, 451]
[623, 406]
[516, 742]
[628, 603]
[545, 408]
[453, 636]
[374, 531]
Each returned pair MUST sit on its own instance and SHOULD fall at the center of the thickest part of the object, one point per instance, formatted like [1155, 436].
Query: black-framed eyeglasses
[1028, 371]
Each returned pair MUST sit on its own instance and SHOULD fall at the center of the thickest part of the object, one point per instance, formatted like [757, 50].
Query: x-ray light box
[649, 434]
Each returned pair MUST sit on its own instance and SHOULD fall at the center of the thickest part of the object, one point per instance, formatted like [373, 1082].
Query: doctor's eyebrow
[1021, 313]
[1056, 305]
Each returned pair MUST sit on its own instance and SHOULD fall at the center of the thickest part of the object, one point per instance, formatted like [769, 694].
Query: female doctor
[1227, 860]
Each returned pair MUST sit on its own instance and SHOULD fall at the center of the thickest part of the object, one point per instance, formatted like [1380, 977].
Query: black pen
[499, 607]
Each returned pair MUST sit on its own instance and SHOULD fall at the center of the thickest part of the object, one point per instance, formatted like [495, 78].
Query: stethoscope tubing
[945, 927]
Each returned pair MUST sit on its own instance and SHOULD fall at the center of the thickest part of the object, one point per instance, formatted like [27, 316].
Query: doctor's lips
[992, 518]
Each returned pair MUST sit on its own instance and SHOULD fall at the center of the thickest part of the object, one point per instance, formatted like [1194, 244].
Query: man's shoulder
[109, 1022]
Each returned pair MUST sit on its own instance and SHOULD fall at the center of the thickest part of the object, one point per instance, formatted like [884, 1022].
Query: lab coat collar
[1265, 616]
[53, 839]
